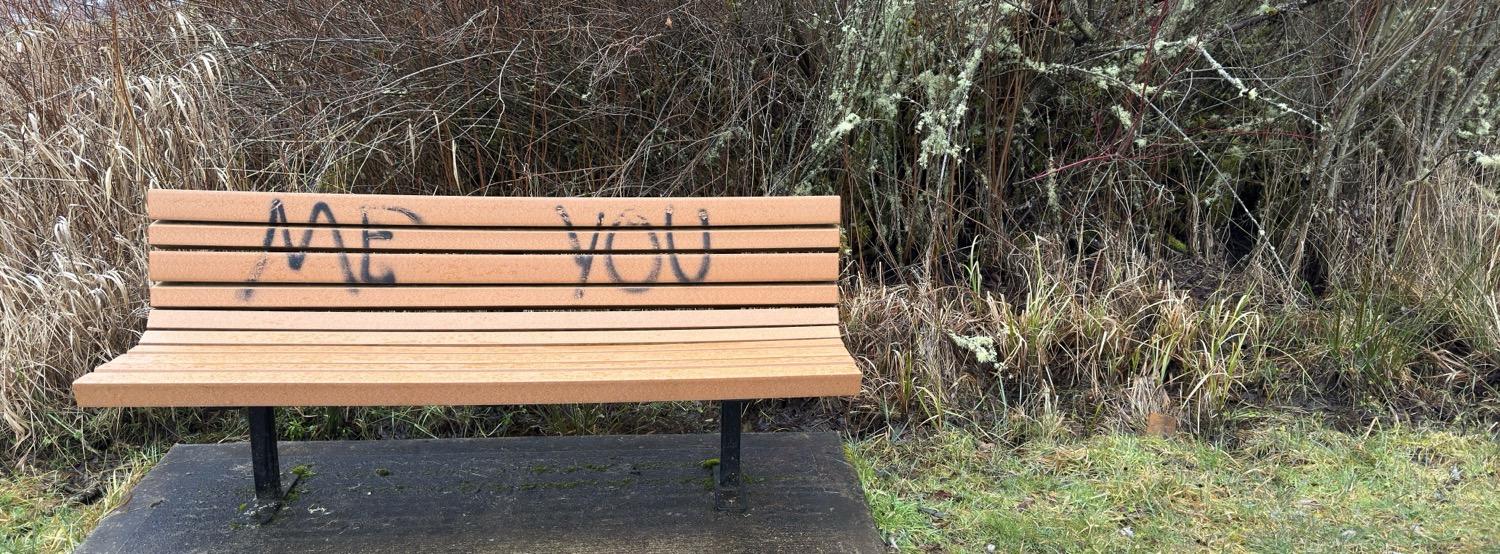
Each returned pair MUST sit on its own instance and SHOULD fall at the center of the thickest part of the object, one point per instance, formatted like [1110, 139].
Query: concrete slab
[529, 494]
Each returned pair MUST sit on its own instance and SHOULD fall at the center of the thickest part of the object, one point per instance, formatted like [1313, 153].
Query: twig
[1263, 17]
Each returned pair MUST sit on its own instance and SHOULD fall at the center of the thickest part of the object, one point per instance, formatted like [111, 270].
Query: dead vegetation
[1060, 214]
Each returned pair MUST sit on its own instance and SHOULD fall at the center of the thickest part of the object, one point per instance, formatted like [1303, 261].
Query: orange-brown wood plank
[432, 268]
[487, 337]
[158, 363]
[138, 357]
[560, 356]
[622, 239]
[491, 349]
[386, 210]
[334, 296]
[488, 321]
[427, 387]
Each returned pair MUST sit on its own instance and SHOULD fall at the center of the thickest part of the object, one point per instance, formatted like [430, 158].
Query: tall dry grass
[1060, 215]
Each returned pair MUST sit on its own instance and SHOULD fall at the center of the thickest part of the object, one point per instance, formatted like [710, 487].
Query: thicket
[1060, 214]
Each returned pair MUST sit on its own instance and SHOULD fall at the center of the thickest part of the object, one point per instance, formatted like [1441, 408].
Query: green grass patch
[49, 512]
[1287, 486]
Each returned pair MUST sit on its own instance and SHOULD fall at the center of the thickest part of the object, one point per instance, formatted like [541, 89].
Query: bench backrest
[290, 251]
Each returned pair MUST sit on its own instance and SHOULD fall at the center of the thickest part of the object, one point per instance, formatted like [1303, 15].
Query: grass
[1281, 484]
[40, 512]
[1286, 485]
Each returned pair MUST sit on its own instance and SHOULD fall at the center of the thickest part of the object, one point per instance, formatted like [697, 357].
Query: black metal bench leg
[728, 496]
[264, 461]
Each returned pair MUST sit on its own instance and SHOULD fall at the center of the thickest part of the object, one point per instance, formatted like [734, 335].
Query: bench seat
[265, 358]
[266, 300]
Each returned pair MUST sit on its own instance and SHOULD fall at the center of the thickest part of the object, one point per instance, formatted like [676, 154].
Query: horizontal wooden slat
[487, 337]
[426, 387]
[333, 296]
[401, 269]
[488, 321]
[684, 348]
[561, 355]
[174, 364]
[388, 210]
[623, 239]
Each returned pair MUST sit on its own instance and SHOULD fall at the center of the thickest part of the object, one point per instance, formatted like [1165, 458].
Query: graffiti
[279, 233]
[584, 257]
[322, 214]
[633, 220]
[707, 246]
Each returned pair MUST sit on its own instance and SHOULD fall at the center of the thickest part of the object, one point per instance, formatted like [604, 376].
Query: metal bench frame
[265, 463]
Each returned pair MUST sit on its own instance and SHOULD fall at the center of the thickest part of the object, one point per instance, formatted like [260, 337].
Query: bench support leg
[727, 494]
[264, 462]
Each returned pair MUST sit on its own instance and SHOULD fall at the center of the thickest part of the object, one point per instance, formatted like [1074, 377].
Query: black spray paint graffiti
[296, 254]
[584, 256]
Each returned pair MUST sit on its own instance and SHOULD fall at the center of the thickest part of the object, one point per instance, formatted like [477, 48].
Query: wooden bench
[280, 299]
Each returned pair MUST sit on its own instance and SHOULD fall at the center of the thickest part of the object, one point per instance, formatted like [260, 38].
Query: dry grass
[1125, 341]
[1060, 215]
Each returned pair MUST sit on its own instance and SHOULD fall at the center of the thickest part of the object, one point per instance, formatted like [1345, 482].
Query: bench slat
[493, 350]
[164, 360]
[488, 321]
[333, 296]
[402, 269]
[456, 211]
[624, 239]
[487, 337]
[426, 387]
[480, 365]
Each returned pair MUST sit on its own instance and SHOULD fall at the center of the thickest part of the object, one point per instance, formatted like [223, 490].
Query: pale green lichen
[980, 346]
[887, 60]
[941, 119]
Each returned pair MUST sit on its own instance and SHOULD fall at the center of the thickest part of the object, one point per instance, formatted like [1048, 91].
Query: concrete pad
[531, 494]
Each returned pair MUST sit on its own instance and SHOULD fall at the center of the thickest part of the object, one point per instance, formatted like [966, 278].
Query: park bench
[263, 300]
